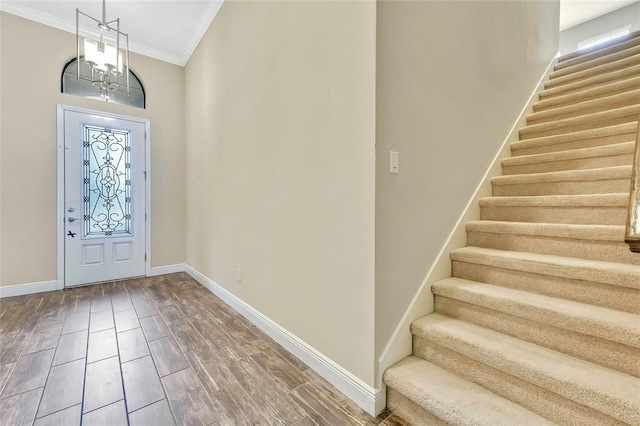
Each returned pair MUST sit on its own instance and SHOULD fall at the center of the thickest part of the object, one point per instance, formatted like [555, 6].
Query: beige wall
[32, 56]
[281, 169]
[452, 78]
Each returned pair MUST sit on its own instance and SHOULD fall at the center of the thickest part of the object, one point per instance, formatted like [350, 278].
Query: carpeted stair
[540, 321]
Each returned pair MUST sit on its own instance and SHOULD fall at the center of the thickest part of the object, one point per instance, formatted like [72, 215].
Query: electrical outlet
[239, 275]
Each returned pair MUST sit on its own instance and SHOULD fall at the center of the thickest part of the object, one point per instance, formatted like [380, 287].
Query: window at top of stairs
[603, 38]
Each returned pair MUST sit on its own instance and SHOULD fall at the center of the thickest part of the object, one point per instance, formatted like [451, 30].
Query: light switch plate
[394, 162]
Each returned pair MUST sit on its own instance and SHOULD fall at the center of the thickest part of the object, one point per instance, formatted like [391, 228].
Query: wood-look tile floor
[152, 352]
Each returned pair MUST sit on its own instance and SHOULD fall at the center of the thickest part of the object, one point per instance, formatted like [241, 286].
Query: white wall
[280, 107]
[629, 15]
[452, 78]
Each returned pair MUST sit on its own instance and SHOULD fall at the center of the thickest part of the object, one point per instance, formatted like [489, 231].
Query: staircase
[540, 321]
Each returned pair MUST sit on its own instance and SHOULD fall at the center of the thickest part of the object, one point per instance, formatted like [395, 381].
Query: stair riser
[409, 411]
[622, 64]
[588, 95]
[588, 123]
[586, 215]
[623, 159]
[606, 251]
[539, 400]
[553, 114]
[611, 186]
[599, 351]
[588, 65]
[590, 83]
[599, 294]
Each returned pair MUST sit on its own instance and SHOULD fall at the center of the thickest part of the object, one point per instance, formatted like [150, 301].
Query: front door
[104, 198]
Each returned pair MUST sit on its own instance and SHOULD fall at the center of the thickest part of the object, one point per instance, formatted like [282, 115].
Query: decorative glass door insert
[107, 181]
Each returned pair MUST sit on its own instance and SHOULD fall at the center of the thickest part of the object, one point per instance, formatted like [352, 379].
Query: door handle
[71, 219]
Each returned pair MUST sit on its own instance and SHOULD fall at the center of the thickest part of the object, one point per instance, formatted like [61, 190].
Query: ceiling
[575, 12]
[170, 30]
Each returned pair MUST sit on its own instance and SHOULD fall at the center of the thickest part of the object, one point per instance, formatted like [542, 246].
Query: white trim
[399, 345]
[14, 8]
[147, 196]
[361, 393]
[60, 184]
[167, 269]
[199, 32]
[30, 288]
[60, 196]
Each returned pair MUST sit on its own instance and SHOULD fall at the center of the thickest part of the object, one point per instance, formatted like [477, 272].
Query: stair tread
[582, 200]
[628, 84]
[621, 274]
[624, 128]
[572, 154]
[605, 173]
[605, 323]
[628, 96]
[581, 119]
[609, 391]
[615, 75]
[560, 230]
[454, 399]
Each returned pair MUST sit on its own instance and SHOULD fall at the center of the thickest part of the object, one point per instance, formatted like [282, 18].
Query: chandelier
[105, 49]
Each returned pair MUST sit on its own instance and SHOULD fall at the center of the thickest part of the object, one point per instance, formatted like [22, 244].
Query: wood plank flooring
[152, 352]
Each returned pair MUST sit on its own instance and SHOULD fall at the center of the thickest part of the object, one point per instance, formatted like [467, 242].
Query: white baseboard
[168, 269]
[365, 396]
[30, 288]
[21, 289]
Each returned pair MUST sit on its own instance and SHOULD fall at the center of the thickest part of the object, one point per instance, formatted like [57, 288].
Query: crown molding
[201, 30]
[15, 8]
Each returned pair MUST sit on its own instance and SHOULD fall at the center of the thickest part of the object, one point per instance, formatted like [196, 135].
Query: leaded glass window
[71, 84]
[106, 156]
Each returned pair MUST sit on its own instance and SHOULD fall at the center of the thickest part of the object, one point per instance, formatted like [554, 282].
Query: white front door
[104, 198]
